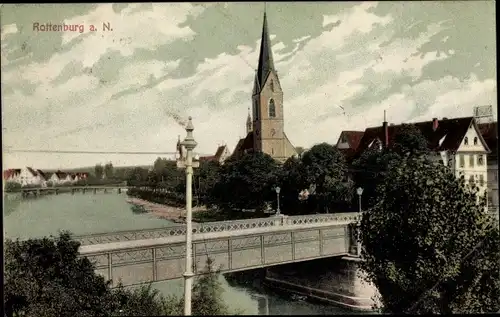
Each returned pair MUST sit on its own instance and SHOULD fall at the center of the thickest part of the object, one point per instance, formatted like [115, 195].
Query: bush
[11, 186]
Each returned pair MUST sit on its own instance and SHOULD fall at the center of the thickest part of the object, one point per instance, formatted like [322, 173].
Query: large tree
[246, 183]
[292, 182]
[428, 244]
[47, 277]
[371, 167]
[325, 168]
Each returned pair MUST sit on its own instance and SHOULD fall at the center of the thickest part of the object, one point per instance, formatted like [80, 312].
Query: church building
[265, 126]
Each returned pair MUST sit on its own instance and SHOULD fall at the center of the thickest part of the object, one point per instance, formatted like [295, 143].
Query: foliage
[98, 171]
[45, 277]
[409, 140]
[49, 184]
[11, 186]
[370, 169]
[292, 181]
[108, 170]
[428, 244]
[372, 166]
[137, 176]
[325, 168]
[246, 183]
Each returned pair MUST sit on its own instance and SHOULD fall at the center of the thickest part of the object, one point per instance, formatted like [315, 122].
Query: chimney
[435, 124]
[386, 132]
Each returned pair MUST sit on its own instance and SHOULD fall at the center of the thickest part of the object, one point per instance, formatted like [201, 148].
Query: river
[108, 212]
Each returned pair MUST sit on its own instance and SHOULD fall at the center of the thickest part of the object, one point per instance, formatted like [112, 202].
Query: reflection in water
[11, 202]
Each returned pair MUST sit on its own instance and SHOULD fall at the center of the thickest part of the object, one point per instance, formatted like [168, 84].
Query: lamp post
[278, 189]
[187, 162]
[359, 191]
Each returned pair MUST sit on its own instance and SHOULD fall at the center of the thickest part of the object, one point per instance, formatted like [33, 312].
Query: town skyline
[340, 66]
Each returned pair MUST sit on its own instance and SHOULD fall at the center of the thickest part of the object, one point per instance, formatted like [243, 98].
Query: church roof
[266, 63]
[244, 145]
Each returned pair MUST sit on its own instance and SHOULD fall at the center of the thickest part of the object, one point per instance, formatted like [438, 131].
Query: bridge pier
[105, 190]
[72, 191]
[338, 281]
[119, 190]
[95, 190]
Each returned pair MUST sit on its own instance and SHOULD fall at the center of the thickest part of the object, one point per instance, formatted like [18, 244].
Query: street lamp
[359, 191]
[187, 162]
[277, 189]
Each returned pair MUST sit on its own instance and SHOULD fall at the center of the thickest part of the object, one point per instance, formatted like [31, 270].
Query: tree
[409, 140]
[300, 150]
[46, 277]
[99, 171]
[292, 181]
[246, 183]
[137, 176]
[11, 186]
[205, 178]
[428, 244]
[108, 170]
[326, 169]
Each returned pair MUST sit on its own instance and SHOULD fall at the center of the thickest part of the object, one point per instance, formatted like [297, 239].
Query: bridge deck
[133, 258]
[148, 243]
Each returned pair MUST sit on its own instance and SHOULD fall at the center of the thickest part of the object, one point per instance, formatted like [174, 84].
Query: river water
[97, 213]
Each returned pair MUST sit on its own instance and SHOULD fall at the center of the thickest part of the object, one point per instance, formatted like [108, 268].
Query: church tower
[267, 103]
[249, 122]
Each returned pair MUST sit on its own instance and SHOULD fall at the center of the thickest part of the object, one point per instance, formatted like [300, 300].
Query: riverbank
[162, 211]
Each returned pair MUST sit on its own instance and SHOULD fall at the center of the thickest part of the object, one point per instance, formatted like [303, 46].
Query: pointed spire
[256, 85]
[266, 63]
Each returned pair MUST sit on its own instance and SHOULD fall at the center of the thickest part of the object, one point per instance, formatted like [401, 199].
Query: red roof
[450, 131]
[352, 137]
[11, 173]
[244, 145]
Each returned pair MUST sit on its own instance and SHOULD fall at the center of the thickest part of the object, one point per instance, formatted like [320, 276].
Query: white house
[456, 142]
[12, 175]
[221, 155]
[29, 176]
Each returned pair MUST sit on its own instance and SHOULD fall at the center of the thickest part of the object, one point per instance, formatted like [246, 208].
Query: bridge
[141, 256]
[36, 191]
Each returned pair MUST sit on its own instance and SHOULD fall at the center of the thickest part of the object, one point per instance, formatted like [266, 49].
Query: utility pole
[189, 144]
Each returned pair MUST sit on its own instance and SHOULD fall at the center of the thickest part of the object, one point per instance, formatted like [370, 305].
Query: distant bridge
[73, 189]
[141, 256]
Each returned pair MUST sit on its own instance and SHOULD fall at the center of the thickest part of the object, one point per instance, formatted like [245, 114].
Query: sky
[131, 87]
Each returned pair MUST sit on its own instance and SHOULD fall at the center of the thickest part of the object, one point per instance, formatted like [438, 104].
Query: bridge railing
[218, 226]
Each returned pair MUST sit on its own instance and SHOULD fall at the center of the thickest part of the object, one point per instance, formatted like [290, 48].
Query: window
[480, 160]
[466, 141]
[481, 180]
[475, 140]
[272, 109]
[471, 160]
[271, 85]
[462, 160]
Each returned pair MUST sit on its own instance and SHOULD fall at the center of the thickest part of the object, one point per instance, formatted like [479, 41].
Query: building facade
[265, 128]
[456, 143]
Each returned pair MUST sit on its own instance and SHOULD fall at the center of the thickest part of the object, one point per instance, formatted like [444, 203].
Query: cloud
[97, 93]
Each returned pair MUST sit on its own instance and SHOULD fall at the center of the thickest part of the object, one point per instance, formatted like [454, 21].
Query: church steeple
[249, 122]
[266, 63]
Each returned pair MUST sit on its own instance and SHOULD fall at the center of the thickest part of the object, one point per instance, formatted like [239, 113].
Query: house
[489, 133]
[221, 154]
[30, 177]
[59, 178]
[457, 143]
[12, 175]
[348, 143]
